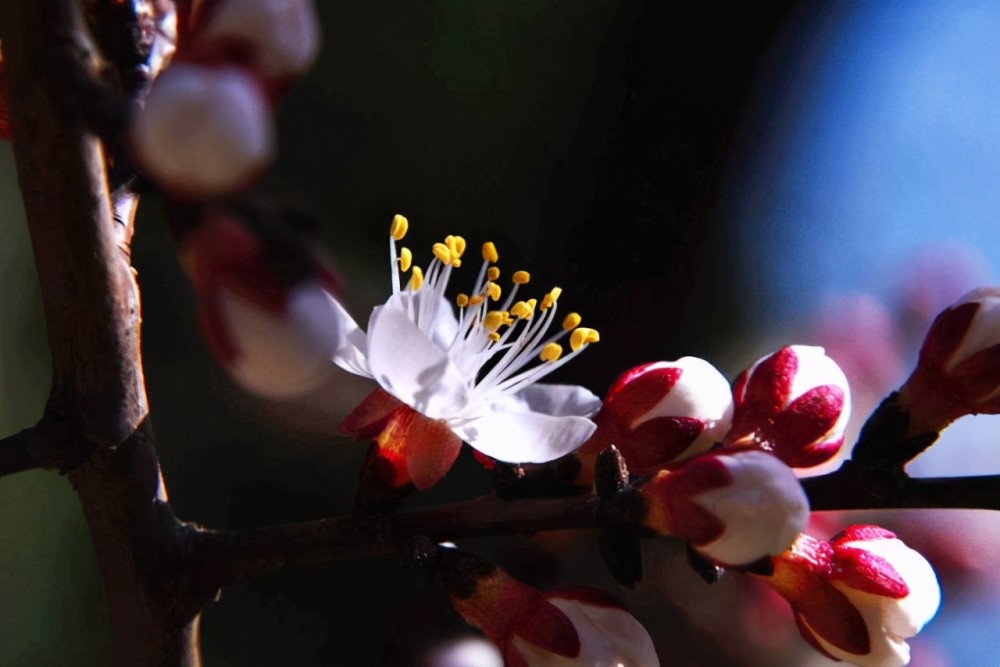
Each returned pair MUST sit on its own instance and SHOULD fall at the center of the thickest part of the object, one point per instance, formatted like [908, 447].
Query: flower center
[511, 338]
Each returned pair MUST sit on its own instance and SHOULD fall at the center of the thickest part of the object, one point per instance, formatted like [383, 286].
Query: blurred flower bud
[664, 412]
[859, 597]
[958, 372]
[278, 39]
[273, 330]
[575, 627]
[204, 130]
[794, 403]
[733, 508]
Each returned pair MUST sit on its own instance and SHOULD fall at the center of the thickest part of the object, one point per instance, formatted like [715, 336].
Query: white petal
[353, 351]
[703, 393]
[525, 437]
[608, 636]
[763, 509]
[444, 325]
[408, 365]
[558, 400]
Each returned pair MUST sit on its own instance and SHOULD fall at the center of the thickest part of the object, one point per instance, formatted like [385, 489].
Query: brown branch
[91, 305]
[228, 556]
[858, 486]
[45, 445]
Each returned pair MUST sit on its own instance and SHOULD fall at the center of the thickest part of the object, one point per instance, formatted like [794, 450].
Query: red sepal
[413, 448]
[810, 638]
[548, 628]
[369, 417]
[770, 383]
[638, 391]
[869, 573]
[945, 335]
[860, 533]
[673, 492]
[658, 440]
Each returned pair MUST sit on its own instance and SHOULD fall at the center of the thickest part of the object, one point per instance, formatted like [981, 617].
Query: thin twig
[244, 554]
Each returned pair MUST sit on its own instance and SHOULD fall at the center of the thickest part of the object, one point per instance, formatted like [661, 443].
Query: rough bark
[91, 302]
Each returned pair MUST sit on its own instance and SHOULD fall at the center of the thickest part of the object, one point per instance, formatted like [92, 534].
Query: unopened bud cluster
[207, 126]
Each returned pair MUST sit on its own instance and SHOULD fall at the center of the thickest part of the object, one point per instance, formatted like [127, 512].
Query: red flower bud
[794, 403]
[273, 331]
[858, 597]
[958, 372]
[734, 508]
[575, 627]
[664, 412]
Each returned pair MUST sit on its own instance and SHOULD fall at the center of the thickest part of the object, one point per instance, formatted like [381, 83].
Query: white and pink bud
[858, 597]
[573, 627]
[664, 412]
[274, 333]
[794, 403]
[733, 508]
[958, 372]
[277, 39]
[204, 131]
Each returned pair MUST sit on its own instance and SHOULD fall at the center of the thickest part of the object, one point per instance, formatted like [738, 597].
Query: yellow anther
[416, 278]
[582, 336]
[405, 259]
[456, 244]
[550, 352]
[521, 278]
[550, 299]
[490, 252]
[571, 321]
[493, 290]
[397, 229]
[476, 299]
[492, 273]
[493, 336]
[494, 319]
[521, 310]
[442, 253]
[532, 303]
[462, 300]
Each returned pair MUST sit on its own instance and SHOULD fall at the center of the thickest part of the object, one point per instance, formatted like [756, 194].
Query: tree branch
[859, 486]
[238, 555]
[47, 444]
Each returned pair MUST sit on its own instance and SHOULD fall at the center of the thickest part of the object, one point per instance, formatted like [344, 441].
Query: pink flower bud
[204, 130]
[274, 333]
[574, 627]
[859, 597]
[278, 39]
[794, 403]
[664, 412]
[958, 372]
[734, 508]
